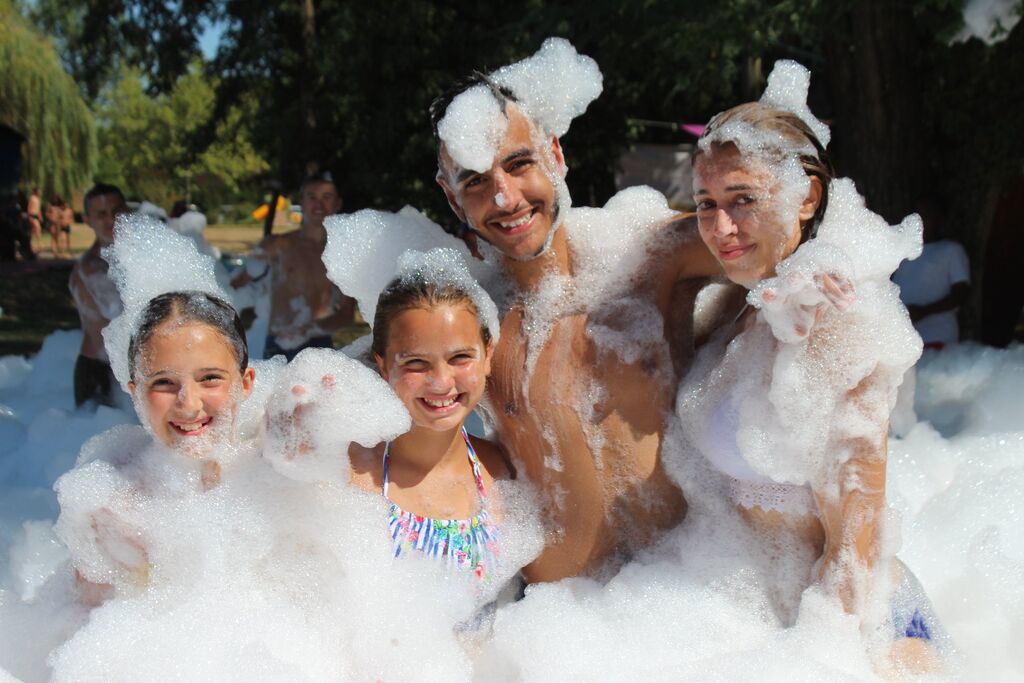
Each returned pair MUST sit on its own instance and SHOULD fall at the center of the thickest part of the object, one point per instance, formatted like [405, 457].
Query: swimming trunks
[271, 348]
[93, 380]
[466, 544]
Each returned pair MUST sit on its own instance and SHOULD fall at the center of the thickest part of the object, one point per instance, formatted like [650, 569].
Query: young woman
[189, 371]
[795, 416]
[433, 347]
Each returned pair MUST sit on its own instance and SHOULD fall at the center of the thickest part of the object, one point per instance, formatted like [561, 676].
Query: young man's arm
[90, 314]
[257, 266]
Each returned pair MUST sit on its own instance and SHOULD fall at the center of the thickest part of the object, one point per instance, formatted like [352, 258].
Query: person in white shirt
[935, 284]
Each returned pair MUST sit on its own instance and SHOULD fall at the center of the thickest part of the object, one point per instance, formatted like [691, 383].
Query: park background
[225, 102]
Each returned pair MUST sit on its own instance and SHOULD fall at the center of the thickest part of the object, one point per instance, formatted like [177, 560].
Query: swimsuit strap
[473, 460]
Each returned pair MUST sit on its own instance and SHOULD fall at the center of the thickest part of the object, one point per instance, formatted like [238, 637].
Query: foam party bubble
[472, 128]
[552, 87]
[148, 259]
[446, 268]
[788, 85]
[363, 251]
[320, 404]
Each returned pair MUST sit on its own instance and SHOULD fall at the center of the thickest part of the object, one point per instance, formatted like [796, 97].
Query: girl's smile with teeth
[437, 363]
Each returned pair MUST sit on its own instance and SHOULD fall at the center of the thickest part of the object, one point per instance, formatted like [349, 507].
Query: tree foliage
[148, 144]
[40, 101]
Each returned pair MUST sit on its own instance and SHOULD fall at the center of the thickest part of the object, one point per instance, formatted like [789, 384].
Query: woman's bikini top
[747, 488]
[466, 544]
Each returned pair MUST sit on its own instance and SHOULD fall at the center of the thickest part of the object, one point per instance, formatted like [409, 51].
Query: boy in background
[96, 297]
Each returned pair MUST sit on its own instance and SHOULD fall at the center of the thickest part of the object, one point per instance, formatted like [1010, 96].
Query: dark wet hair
[403, 294]
[98, 190]
[792, 129]
[321, 177]
[439, 107]
[189, 306]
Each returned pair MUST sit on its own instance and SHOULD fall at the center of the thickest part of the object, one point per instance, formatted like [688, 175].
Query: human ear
[558, 156]
[449, 194]
[813, 199]
[381, 366]
[131, 389]
[488, 355]
[248, 377]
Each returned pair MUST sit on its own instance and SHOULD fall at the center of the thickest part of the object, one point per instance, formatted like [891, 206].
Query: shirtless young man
[597, 462]
[306, 308]
[35, 217]
[96, 297]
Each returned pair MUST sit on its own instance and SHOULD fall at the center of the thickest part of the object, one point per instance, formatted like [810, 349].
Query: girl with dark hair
[433, 346]
[189, 368]
[189, 371]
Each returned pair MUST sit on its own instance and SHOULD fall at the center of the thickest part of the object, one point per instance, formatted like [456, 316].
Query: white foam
[364, 250]
[788, 85]
[148, 259]
[988, 20]
[322, 402]
[552, 87]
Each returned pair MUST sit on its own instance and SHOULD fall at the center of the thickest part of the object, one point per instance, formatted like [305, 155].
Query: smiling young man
[585, 422]
[306, 308]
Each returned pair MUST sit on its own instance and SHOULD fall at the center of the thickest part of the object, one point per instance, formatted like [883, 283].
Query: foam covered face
[188, 385]
[103, 211]
[437, 364]
[319, 200]
[747, 218]
[513, 205]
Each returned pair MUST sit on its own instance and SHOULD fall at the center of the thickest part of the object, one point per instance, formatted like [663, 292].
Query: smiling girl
[433, 347]
[189, 371]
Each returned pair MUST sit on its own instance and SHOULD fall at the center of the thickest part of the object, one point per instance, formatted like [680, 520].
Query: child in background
[96, 297]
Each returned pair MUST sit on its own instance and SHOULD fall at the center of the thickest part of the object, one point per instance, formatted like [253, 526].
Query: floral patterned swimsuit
[466, 544]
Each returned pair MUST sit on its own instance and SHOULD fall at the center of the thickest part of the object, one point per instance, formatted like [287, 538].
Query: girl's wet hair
[198, 307]
[406, 293]
[794, 134]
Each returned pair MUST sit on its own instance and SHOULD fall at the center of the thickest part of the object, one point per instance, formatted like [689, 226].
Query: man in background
[306, 308]
[96, 297]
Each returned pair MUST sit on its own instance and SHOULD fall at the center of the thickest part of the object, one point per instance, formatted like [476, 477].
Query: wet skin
[89, 283]
[600, 506]
[437, 363]
[304, 302]
[189, 382]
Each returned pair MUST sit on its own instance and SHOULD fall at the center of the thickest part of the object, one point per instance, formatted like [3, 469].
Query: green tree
[155, 147]
[40, 101]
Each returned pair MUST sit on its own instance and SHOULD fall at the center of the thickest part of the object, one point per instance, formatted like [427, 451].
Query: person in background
[935, 284]
[96, 297]
[306, 308]
[54, 216]
[67, 219]
[34, 209]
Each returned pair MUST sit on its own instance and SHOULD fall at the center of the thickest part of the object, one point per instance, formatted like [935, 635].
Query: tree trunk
[878, 131]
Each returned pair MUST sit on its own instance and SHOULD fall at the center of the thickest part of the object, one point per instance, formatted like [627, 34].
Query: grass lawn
[35, 300]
